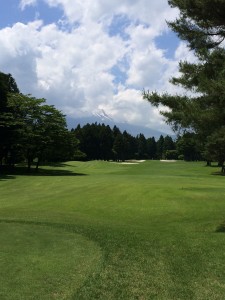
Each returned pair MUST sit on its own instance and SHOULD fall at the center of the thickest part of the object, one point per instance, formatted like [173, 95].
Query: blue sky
[11, 13]
[85, 57]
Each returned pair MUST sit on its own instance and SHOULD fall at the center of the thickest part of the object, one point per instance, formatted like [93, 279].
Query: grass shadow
[219, 173]
[56, 165]
[22, 170]
[6, 177]
[221, 228]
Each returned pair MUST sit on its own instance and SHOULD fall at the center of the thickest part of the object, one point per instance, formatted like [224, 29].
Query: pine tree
[201, 24]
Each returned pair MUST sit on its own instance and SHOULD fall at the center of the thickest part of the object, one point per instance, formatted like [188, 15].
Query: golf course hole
[42, 262]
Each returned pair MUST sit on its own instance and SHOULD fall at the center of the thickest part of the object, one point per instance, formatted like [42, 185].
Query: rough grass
[98, 230]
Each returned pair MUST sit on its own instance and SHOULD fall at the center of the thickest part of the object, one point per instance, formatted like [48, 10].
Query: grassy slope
[146, 231]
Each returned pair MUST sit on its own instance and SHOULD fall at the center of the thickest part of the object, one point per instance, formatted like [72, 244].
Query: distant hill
[132, 129]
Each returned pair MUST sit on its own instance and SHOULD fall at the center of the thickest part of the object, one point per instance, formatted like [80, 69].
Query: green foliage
[171, 154]
[201, 22]
[188, 146]
[215, 147]
[7, 121]
[30, 129]
[151, 148]
[95, 141]
[203, 113]
[119, 147]
[99, 141]
[7, 85]
[142, 146]
[159, 147]
[42, 131]
[168, 143]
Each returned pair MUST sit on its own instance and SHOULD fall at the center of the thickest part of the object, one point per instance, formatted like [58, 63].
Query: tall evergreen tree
[142, 146]
[160, 147]
[151, 148]
[188, 147]
[168, 144]
[120, 147]
[201, 24]
[106, 142]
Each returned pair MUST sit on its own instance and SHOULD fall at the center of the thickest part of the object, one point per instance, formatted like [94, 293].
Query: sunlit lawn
[101, 230]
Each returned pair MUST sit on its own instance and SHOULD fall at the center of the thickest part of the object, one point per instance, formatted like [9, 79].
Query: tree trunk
[37, 165]
[220, 163]
[29, 162]
[208, 163]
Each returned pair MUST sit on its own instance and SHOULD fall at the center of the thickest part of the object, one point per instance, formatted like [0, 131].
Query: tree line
[101, 142]
[33, 132]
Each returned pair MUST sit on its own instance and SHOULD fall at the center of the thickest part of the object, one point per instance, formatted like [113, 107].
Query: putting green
[43, 262]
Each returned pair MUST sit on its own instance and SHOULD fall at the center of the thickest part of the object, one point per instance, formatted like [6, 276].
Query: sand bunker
[135, 161]
[171, 160]
[130, 162]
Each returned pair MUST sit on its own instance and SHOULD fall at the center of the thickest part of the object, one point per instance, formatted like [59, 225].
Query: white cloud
[152, 13]
[72, 68]
[184, 54]
[24, 3]
[145, 60]
[19, 57]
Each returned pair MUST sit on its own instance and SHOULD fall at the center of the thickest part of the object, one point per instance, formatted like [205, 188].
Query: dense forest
[99, 141]
[33, 132]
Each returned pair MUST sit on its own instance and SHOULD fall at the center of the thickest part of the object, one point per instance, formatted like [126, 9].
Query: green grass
[99, 230]
[44, 263]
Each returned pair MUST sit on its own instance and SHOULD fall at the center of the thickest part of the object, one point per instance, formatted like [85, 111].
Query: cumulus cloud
[99, 55]
[142, 10]
[18, 54]
[122, 110]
